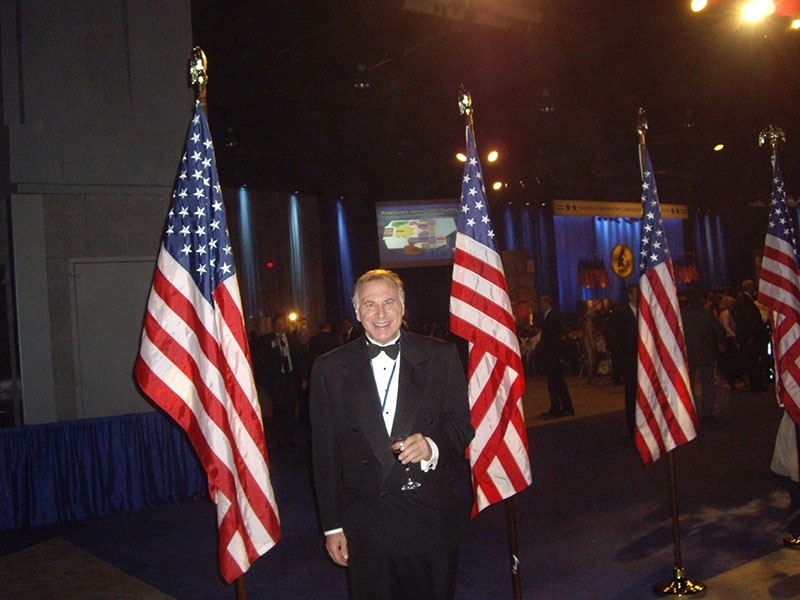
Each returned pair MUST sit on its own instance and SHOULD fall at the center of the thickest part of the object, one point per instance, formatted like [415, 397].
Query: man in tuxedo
[623, 337]
[282, 355]
[396, 543]
[551, 349]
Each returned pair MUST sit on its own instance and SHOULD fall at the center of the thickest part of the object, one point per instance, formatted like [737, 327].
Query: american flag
[779, 289]
[194, 360]
[665, 411]
[480, 312]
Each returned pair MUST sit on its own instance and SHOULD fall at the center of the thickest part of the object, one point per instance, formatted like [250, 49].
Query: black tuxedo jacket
[357, 478]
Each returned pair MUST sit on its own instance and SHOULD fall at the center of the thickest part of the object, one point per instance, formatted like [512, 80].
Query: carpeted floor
[57, 569]
[595, 525]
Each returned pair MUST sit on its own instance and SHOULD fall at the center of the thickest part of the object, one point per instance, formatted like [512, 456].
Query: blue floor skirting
[60, 472]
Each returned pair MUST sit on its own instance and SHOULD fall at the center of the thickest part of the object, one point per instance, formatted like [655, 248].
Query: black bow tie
[391, 350]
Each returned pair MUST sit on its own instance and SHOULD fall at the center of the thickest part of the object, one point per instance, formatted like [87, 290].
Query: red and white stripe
[779, 290]
[480, 311]
[194, 362]
[665, 411]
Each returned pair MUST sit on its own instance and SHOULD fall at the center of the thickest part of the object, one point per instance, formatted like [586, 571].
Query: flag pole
[199, 78]
[679, 585]
[466, 110]
[773, 134]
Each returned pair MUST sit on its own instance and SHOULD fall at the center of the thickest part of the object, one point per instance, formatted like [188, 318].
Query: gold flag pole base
[679, 586]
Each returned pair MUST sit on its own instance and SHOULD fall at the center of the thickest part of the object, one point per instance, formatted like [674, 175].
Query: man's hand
[415, 449]
[336, 545]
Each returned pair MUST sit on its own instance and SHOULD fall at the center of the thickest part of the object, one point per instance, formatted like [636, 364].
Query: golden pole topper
[198, 75]
[641, 124]
[771, 134]
[465, 103]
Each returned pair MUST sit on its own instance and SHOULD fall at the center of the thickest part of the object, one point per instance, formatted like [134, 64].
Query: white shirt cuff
[332, 531]
[430, 464]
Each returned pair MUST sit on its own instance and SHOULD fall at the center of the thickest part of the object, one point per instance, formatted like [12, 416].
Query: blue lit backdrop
[250, 287]
[297, 262]
[344, 257]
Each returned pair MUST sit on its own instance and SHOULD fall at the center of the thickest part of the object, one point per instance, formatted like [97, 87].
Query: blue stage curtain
[297, 264]
[511, 237]
[574, 240]
[60, 472]
[346, 264]
[579, 238]
[536, 225]
[712, 263]
[250, 285]
[528, 234]
[609, 232]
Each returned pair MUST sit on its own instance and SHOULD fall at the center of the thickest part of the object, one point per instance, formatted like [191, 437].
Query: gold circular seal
[622, 260]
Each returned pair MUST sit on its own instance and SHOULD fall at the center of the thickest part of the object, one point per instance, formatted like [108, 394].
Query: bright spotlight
[756, 10]
[461, 157]
[698, 5]
[492, 156]
[497, 185]
[795, 24]
[293, 316]
[718, 147]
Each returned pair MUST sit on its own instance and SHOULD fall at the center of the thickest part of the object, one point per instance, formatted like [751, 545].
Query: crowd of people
[727, 339]
[282, 360]
[727, 344]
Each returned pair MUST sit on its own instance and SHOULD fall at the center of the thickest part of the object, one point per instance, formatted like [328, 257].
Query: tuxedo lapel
[367, 405]
[410, 392]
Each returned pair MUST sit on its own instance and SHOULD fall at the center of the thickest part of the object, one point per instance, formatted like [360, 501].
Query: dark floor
[595, 525]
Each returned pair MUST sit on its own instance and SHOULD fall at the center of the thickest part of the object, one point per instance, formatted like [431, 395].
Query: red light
[269, 265]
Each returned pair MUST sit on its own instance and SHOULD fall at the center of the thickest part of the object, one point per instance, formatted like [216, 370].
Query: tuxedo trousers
[383, 575]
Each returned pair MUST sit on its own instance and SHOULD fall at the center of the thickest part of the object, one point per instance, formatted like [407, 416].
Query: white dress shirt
[282, 342]
[386, 373]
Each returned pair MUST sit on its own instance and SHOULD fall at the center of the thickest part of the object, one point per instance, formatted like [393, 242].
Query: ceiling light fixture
[757, 10]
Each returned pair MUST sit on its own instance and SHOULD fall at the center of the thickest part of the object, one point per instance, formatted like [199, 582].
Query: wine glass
[397, 447]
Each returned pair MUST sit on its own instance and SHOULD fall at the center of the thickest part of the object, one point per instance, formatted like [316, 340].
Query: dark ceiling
[358, 98]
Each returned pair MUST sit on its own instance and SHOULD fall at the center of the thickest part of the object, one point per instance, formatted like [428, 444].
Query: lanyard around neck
[389, 384]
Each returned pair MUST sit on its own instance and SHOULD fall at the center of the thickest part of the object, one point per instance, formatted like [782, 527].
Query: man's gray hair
[376, 274]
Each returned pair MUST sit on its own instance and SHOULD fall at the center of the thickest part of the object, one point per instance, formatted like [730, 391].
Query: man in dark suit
[348, 332]
[395, 542]
[703, 335]
[321, 342]
[551, 350]
[752, 335]
[282, 355]
[623, 338]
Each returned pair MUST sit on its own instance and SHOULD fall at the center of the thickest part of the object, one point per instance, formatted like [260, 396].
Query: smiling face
[380, 310]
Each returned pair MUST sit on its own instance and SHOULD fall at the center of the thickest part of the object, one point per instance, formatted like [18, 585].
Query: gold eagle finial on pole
[198, 75]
